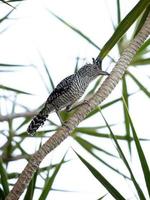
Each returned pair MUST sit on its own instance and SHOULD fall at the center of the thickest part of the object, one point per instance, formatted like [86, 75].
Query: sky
[33, 34]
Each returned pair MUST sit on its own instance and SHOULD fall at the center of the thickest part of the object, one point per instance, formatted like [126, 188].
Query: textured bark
[106, 88]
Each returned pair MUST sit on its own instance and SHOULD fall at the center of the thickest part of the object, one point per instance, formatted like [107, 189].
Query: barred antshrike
[67, 92]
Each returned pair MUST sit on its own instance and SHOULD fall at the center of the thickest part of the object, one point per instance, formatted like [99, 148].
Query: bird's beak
[104, 73]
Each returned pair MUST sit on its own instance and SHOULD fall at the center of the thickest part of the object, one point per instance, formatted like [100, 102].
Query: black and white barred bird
[67, 92]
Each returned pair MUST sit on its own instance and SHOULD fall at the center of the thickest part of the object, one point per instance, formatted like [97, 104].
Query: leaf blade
[123, 27]
[4, 179]
[101, 179]
[144, 164]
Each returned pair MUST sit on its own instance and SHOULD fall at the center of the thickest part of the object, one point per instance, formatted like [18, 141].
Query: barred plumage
[67, 92]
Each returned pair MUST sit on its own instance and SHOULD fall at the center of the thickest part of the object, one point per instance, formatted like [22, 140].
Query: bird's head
[91, 71]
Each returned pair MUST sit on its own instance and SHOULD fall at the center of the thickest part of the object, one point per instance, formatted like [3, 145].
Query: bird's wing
[65, 84]
[61, 88]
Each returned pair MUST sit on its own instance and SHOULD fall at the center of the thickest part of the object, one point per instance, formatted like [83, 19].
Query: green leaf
[77, 31]
[74, 29]
[6, 16]
[7, 3]
[144, 46]
[95, 133]
[49, 181]
[25, 121]
[6, 70]
[140, 61]
[139, 58]
[47, 72]
[2, 195]
[142, 20]
[15, 0]
[4, 178]
[139, 84]
[141, 155]
[102, 197]
[96, 110]
[101, 179]
[11, 65]
[118, 12]
[31, 188]
[126, 121]
[124, 26]
[13, 90]
[102, 161]
[89, 146]
[95, 86]
[122, 156]
[13, 175]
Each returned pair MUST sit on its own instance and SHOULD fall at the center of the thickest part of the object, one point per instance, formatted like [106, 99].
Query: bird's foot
[69, 108]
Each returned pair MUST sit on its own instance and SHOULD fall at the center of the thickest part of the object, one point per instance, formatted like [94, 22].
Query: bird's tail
[37, 121]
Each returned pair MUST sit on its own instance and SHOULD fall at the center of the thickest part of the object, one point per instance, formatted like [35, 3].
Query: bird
[67, 92]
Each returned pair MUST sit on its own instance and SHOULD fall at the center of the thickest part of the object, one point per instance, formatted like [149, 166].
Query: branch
[106, 88]
[17, 115]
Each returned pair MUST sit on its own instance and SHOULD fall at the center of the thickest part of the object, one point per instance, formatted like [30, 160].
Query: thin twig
[17, 115]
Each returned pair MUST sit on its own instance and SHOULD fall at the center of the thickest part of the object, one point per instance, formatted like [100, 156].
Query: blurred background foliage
[104, 143]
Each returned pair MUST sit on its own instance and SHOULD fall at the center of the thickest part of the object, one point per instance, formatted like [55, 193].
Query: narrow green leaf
[11, 65]
[25, 121]
[96, 110]
[140, 61]
[122, 39]
[18, 146]
[7, 3]
[118, 12]
[141, 155]
[4, 178]
[15, 0]
[93, 127]
[47, 71]
[110, 103]
[126, 121]
[74, 29]
[31, 188]
[90, 146]
[144, 46]
[6, 71]
[13, 90]
[139, 84]
[49, 182]
[6, 16]
[96, 133]
[102, 197]
[142, 20]
[77, 31]
[95, 86]
[42, 78]
[101, 160]
[124, 26]
[9, 148]
[52, 166]
[122, 156]
[143, 50]
[115, 193]
[13, 175]
[2, 195]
